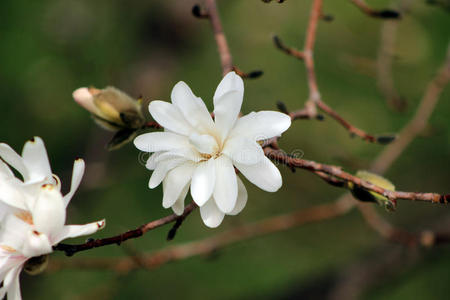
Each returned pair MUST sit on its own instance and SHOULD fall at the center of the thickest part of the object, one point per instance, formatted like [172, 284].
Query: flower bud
[36, 265]
[369, 196]
[111, 108]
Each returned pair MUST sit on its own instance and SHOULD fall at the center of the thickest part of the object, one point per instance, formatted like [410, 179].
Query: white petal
[151, 161]
[178, 206]
[264, 175]
[36, 244]
[170, 117]
[204, 143]
[71, 231]
[175, 182]
[211, 214]
[85, 99]
[226, 189]
[14, 231]
[243, 150]
[13, 159]
[241, 198]
[36, 159]
[160, 141]
[77, 175]
[261, 125]
[5, 171]
[203, 180]
[161, 170]
[12, 193]
[11, 285]
[49, 212]
[231, 82]
[226, 111]
[188, 153]
[193, 108]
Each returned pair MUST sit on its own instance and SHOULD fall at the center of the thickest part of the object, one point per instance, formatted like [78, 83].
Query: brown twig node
[250, 75]
[383, 13]
[199, 12]
[288, 50]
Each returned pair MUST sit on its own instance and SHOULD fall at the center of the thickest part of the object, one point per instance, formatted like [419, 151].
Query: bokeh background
[49, 48]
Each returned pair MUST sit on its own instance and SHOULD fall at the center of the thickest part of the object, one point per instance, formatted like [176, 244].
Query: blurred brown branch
[214, 243]
[314, 98]
[384, 13]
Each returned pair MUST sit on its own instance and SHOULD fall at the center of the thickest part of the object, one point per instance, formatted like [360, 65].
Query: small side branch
[383, 13]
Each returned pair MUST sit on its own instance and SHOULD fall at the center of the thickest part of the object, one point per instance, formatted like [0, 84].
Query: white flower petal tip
[85, 99]
[101, 224]
[200, 153]
[211, 214]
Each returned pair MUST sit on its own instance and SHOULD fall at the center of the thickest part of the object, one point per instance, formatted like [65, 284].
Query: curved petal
[151, 161]
[230, 82]
[203, 180]
[77, 175]
[187, 153]
[11, 285]
[211, 214]
[241, 198]
[204, 143]
[226, 111]
[175, 182]
[36, 244]
[161, 171]
[14, 231]
[71, 231]
[49, 211]
[160, 141]
[243, 150]
[11, 193]
[264, 175]
[5, 171]
[170, 117]
[178, 206]
[36, 159]
[226, 189]
[193, 108]
[261, 125]
[14, 160]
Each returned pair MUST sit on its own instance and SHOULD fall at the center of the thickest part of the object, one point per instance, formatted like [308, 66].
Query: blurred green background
[49, 48]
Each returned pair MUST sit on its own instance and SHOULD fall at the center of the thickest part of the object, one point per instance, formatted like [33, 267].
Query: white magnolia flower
[198, 152]
[32, 211]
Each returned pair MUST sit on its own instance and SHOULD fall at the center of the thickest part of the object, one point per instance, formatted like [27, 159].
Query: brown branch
[314, 99]
[419, 121]
[212, 244]
[392, 153]
[337, 172]
[131, 234]
[221, 41]
[384, 13]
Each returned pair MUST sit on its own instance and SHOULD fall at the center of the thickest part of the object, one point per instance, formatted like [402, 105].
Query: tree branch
[219, 36]
[131, 234]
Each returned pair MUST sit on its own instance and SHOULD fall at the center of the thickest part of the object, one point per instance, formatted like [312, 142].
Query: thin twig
[384, 13]
[131, 234]
[337, 172]
[221, 41]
